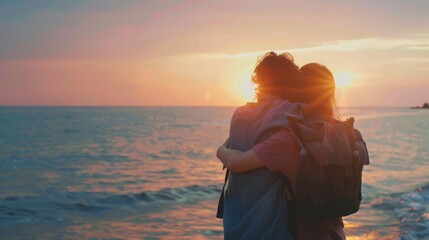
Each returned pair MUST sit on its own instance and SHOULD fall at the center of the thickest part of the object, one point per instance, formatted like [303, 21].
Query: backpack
[333, 154]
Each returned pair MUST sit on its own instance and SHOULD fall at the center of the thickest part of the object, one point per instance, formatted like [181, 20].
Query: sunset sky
[202, 52]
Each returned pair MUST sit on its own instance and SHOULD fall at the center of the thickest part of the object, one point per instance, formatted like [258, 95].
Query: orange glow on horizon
[243, 86]
[169, 54]
[344, 79]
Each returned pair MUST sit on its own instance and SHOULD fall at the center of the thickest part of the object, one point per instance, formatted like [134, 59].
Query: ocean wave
[411, 211]
[51, 205]
[182, 194]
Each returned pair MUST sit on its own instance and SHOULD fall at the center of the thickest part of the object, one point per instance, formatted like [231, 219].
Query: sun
[343, 79]
[244, 87]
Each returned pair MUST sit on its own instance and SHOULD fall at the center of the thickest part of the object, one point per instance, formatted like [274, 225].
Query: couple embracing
[266, 192]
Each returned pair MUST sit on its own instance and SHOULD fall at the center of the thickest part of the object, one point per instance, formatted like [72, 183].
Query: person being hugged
[254, 205]
[271, 144]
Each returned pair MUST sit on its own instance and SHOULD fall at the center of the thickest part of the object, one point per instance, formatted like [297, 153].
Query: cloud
[370, 44]
[419, 47]
[423, 69]
[410, 43]
[411, 59]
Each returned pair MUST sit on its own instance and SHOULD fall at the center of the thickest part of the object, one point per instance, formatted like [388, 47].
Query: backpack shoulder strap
[219, 213]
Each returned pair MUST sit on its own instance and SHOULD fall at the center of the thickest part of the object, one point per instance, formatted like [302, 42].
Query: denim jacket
[254, 206]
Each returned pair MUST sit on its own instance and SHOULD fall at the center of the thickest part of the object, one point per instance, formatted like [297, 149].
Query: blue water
[151, 173]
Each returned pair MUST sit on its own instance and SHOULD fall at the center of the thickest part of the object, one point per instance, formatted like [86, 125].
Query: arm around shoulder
[237, 161]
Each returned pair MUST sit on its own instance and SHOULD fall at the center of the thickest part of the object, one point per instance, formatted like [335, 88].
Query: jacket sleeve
[280, 152]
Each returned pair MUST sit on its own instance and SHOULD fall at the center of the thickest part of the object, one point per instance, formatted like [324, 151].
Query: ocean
[151, 172]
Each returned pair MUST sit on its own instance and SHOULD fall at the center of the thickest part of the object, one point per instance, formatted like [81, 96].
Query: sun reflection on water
[194, 221]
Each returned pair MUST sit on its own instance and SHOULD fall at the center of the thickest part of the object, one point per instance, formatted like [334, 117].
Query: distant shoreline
[424, 106]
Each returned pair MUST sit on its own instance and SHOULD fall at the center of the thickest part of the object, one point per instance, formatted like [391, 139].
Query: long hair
[317, 85]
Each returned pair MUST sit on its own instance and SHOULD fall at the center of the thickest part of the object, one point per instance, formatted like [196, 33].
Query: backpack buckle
[287, 193]
[355, 155]
[303, 155]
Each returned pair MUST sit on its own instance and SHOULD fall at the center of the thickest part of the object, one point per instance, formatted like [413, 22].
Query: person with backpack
[251, 189]
[320, 157]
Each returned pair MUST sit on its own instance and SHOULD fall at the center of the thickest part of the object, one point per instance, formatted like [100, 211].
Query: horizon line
[160, 106]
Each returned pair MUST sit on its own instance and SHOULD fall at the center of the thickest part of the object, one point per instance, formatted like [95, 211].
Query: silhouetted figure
[263, 158]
